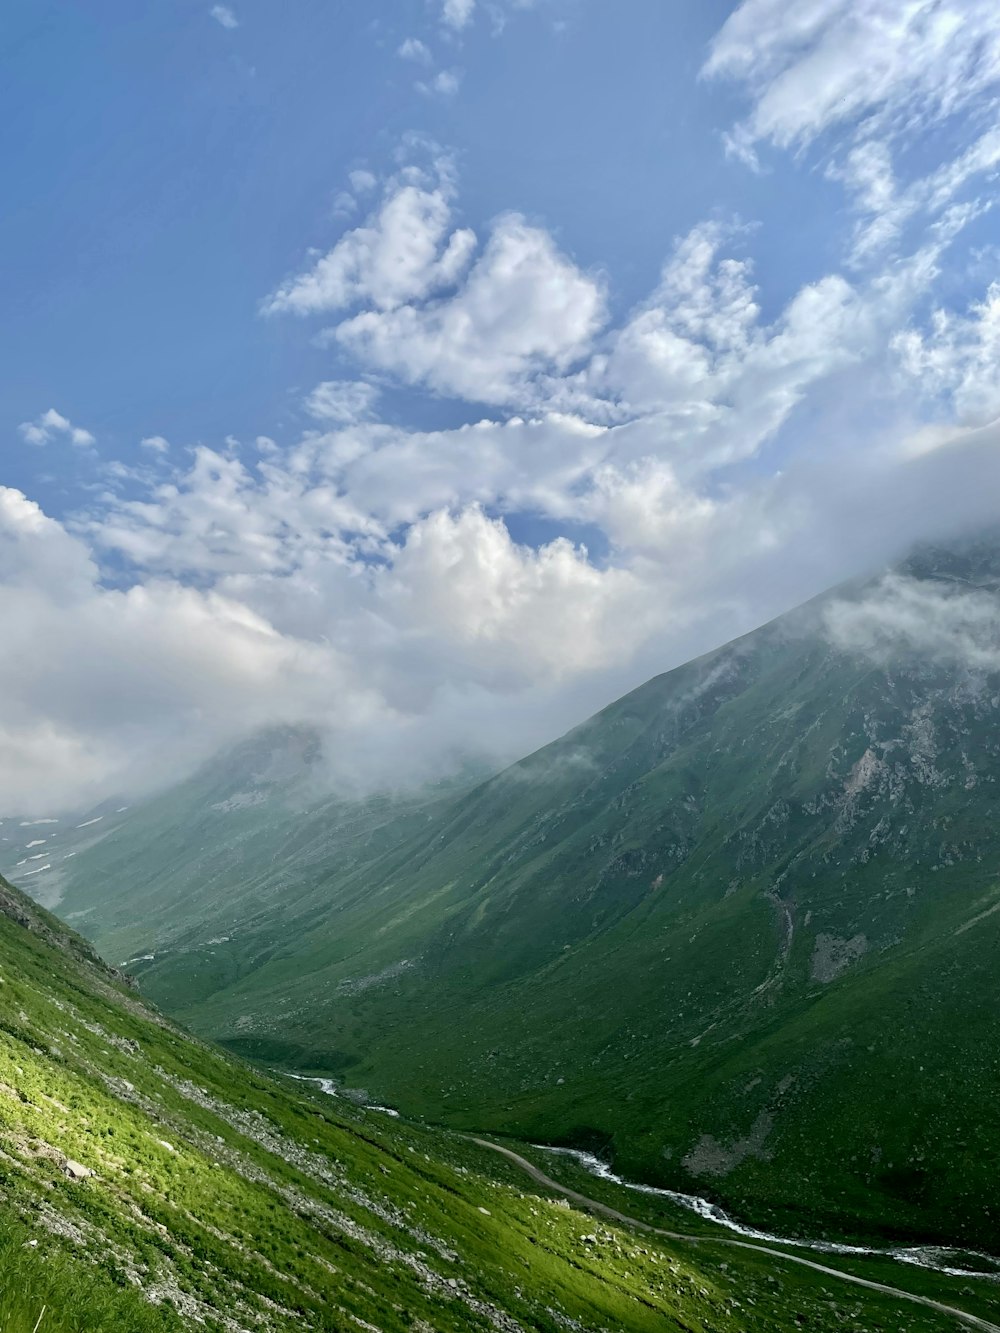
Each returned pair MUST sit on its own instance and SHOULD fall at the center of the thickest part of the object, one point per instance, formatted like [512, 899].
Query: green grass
[45, 1290]
[223, 1198]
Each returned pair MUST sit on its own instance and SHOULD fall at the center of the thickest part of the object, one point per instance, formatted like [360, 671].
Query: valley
[735, 934]
[500, 667]
[151, 1182]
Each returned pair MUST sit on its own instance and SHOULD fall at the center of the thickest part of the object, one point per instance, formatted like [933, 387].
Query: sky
[435, 377]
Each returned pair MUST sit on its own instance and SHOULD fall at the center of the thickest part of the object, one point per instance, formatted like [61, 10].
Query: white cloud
[220, 518]
[115, 673]
[362, 180]
[457, 14]
[344, 204]
[396, 476]
[414, 49]
[456, 636]
[515, 308]
[155, 444]
[224, 16]
[341, 401]
[938, 621]
[405, 250]
[812, 65]
[445, 83]
[956, 359]
[505, 615]
[899, 97]
[38, 552]
[51, 424]
[887, 206]
[522, 307]
[699, 358]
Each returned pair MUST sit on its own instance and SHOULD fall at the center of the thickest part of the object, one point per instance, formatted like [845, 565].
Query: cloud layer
[949, 625]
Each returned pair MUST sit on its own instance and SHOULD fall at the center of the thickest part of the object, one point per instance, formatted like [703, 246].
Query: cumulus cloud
[356, 581]
[362, 180]
[442, 311]
[224, 16]
[155, 444]
[414, 49]
[457, 14]
[445, 83]
[523, 306]
[120, 681]
[510, 614]
[699, 352]
[516, 322]
[52, 424]
[405, 250]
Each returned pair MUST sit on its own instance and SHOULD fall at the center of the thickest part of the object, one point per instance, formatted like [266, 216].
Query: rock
[76, 1170]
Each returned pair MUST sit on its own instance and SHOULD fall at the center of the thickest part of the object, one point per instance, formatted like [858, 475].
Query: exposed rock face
[832, 956]
[709, 1157]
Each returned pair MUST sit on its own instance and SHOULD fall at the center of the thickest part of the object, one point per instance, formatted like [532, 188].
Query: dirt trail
[605, 1210]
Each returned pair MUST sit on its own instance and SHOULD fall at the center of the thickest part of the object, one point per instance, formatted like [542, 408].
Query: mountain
[250, 831]
[150, 1183]
[738, 932]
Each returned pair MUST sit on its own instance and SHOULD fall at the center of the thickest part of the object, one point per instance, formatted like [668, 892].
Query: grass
[45, 1290]
[223, 1199]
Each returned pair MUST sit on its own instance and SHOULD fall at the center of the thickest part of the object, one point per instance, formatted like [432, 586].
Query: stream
[940, 1259]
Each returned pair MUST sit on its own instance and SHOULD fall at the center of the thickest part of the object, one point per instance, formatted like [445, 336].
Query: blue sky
[438, 375]
[166, 172]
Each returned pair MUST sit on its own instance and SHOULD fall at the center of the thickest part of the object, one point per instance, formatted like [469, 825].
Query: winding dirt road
[605, 1210]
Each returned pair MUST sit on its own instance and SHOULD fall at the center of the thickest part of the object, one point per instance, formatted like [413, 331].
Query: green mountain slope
[148, 1182]
[737, 932]
[251, 833]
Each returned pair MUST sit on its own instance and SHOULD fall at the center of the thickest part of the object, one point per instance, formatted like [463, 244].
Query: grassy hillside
[238, 840]
[149, 1182]
[737, 932]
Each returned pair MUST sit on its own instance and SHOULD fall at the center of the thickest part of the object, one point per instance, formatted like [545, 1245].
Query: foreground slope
[148, 1182]
[739, 931]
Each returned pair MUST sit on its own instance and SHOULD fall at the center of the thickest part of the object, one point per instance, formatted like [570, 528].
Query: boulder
[76, 1170]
